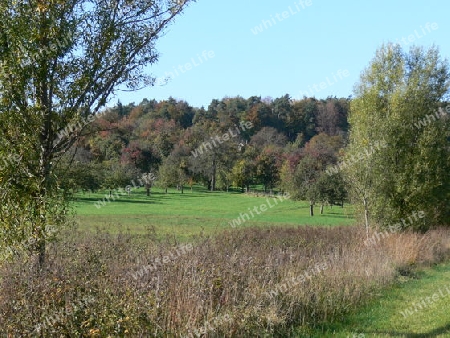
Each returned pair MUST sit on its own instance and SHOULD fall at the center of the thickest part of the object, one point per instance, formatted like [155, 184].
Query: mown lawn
[199, 211]
[383, 317]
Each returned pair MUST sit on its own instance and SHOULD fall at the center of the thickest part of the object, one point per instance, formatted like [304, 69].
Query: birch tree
[399, 101]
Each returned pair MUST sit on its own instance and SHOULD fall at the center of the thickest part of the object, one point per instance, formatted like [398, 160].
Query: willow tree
[400, 102]
[60, 61]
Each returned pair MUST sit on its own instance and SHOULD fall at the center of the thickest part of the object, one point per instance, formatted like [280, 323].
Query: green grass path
[383, 317]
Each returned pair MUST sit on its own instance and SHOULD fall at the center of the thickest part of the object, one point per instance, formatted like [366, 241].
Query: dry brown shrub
[238, 283]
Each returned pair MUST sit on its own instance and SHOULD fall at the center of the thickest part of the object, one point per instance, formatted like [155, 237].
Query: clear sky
[302, 47]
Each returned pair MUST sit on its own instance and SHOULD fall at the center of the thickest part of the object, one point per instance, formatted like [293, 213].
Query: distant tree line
[386, 150]
[277, 143]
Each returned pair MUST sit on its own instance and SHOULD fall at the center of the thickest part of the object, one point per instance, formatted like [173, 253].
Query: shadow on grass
[335, 216]
[155, 198]
[128, 200]
[330, 330]
[432, 333]
[186, 194]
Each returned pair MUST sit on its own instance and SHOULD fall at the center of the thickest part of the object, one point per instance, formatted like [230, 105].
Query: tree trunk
[40, 223]
[311, 209]
[321, 209]
[148, 191]
[213, 178]
[182, 189]
[366, 216]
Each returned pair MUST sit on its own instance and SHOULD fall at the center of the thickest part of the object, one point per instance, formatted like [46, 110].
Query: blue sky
[315, 48]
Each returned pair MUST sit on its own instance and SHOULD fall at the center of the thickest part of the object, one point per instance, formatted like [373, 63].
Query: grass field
[263, 276]
[383, 317]
[189, 214]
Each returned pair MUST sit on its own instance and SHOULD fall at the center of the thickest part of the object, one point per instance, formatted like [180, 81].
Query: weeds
[228, 276]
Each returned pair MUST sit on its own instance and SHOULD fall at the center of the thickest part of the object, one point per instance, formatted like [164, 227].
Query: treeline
[275, 143]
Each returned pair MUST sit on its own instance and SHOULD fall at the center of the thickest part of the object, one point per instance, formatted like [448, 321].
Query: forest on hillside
[235, 142]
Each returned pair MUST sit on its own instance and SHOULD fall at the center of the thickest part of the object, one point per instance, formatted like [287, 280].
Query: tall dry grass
[243, 283]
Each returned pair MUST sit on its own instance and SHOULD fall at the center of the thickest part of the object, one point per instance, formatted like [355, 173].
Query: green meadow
[196, 212]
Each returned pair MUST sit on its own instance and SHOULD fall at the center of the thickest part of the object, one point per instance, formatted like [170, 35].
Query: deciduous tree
[412, 173]
[60, 61]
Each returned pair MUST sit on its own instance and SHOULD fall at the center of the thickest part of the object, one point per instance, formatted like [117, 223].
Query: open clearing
[189, 214]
